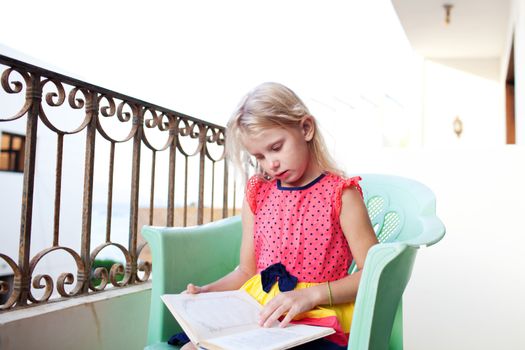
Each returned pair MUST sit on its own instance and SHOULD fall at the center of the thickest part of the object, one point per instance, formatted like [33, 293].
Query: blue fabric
[320, 344]
[277, 272]
[179, 339]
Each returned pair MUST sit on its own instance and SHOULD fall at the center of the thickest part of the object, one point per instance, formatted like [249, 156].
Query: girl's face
[283, 153]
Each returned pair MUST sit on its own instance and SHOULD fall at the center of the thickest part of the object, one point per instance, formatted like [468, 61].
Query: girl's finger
[192, 289]
[269, 309]
[269, 322]
[286, 320]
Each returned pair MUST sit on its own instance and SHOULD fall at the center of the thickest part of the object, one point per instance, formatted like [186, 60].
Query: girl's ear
[308, 128]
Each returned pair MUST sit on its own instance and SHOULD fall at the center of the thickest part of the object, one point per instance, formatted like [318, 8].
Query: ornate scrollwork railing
[46, 91]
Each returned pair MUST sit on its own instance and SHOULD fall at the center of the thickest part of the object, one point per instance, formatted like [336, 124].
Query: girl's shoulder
[253, 188]
[255, 182]
[342, 184]
[348, 182]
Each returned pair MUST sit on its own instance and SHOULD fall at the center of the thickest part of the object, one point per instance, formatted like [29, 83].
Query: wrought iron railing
[102, 112]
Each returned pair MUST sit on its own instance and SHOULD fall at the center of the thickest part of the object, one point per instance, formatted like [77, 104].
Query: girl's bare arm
[360, 236]
[245, 270]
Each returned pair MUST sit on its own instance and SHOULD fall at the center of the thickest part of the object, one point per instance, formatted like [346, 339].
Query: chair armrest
[198, 254]
[386, 272]
[431, 231]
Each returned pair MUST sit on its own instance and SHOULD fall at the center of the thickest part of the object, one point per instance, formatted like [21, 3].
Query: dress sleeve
[252, 188]
[346, 183]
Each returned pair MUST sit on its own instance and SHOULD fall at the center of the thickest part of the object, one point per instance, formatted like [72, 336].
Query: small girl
[303, 222]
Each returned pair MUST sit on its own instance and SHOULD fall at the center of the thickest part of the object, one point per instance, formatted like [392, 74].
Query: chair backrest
[198, 254]
[402, 212]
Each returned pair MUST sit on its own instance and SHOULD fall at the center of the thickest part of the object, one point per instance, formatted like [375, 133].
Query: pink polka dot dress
[299, 227]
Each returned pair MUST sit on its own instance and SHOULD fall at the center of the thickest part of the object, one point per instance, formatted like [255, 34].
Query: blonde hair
[271, 105]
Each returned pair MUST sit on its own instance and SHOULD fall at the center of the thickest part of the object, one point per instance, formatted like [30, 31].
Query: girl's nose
[274, 164]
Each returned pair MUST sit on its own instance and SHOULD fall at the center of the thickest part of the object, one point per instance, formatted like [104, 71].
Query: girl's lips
[282, 175]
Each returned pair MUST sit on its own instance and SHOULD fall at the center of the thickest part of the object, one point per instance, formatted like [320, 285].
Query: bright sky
[344, 58]
[200, 57]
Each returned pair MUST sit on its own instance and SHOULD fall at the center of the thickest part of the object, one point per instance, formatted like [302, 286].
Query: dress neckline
[308, 185]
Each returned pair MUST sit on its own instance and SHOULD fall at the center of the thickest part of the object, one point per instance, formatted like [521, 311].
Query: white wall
[110, 320]
[467, 291]
[11, 184]
[475, 98]
[10, 202]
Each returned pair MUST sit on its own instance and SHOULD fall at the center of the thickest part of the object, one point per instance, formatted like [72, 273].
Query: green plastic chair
[402, 212]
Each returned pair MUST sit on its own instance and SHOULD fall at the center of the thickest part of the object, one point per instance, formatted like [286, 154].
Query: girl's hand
[193, 289]
[290, 303]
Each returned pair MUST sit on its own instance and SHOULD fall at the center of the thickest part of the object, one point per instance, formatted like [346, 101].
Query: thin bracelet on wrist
[329, 293]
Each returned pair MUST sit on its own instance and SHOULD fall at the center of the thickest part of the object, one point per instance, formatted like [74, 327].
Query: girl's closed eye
[276, 147]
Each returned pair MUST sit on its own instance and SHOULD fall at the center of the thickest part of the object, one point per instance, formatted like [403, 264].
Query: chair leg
[396, 338]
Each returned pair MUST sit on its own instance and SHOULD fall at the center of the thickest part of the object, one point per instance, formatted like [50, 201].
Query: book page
[210, 315]
[269, 338]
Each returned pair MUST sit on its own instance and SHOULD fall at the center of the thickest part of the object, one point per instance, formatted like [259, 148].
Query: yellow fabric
[343, 312]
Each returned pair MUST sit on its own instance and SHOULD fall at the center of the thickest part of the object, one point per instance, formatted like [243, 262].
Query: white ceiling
[477, 29]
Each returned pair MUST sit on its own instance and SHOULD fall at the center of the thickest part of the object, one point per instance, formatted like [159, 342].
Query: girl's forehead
[263, 137]
[265, 133]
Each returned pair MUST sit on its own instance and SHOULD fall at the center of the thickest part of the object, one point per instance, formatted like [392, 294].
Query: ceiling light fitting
[448, 9]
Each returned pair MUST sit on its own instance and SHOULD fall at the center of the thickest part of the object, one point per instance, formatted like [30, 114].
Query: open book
[229, 320]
